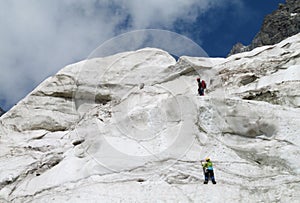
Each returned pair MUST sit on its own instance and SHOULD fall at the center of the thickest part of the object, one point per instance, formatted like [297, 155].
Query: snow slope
[131, 128]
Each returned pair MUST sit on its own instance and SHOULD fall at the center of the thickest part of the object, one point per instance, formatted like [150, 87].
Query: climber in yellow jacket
[208, 170]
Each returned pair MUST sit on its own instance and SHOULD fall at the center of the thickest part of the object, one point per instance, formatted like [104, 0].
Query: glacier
[131, 128]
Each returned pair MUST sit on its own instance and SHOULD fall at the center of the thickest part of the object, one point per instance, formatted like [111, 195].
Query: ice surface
[131, 128]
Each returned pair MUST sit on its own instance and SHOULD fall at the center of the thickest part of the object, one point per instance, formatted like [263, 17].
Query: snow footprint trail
[183, 173]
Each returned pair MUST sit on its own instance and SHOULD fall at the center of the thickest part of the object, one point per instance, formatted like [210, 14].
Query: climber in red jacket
[201, 86]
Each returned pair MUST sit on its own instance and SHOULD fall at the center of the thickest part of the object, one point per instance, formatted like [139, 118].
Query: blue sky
[38, 38]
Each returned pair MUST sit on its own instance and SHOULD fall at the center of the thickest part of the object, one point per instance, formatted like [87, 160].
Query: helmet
[198, 79]
[207, 159]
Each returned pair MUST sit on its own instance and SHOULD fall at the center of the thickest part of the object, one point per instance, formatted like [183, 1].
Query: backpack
[203, 84]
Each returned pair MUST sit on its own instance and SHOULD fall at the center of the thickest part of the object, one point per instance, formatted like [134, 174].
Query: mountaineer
[201, 86]
[208, 170]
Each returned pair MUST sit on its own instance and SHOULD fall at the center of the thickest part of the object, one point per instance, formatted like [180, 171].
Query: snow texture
[131, 128]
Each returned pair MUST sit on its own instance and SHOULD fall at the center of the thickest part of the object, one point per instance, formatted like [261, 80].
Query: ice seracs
[131, 127]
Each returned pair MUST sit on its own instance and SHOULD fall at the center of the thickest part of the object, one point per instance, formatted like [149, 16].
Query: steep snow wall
[131, 128]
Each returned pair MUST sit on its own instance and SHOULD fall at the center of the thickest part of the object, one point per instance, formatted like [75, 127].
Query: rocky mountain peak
[277, 26]
[1, 111]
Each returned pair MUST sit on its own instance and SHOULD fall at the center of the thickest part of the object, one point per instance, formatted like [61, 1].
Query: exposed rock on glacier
[131, 127]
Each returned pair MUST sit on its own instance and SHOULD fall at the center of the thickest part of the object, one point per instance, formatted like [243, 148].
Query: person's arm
[201, 161]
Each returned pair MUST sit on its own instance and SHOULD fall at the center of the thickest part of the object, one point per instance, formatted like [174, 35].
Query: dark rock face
[1, 111]
[279, 25]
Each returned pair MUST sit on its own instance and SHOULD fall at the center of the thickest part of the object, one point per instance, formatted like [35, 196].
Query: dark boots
[206, 182]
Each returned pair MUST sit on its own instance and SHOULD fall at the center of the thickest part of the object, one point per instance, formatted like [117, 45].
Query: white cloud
[166, 12]
[38, 38]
